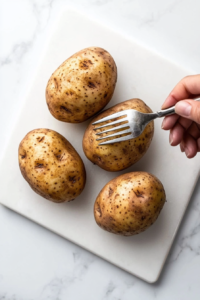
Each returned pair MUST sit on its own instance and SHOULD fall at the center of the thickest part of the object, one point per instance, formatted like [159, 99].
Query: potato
[51, 166]
[118, 156]
[82, 85]
[130, 203]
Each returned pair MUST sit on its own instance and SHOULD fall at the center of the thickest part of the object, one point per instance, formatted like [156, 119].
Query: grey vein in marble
[188, 241]
[110, 288]
[19, 50]
[155, 17]
[55, 288]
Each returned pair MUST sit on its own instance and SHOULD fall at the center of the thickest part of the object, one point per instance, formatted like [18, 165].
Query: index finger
[189, 85]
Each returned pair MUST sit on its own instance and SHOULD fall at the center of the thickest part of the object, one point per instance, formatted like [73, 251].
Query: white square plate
[142, 74]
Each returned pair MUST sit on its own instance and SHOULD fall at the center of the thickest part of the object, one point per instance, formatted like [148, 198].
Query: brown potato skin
[130, 203]
[51, 165]
[118, 156]
[82, 85]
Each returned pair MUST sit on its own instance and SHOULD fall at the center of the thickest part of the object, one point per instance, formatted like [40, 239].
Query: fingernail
[182, 148]
[183, 108]
[171, 139]
[187, 152]
[163, 124]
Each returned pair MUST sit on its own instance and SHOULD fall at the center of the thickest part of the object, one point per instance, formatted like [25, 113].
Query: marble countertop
[36, 264]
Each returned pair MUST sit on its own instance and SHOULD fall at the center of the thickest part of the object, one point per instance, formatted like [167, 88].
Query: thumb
[189, 109]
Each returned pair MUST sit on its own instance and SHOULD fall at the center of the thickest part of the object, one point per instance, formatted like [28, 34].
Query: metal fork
[135, 121]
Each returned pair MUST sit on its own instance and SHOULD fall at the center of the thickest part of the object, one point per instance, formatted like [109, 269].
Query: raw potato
[118, 156]
[130, 203]
[51, 166]
[82, 85]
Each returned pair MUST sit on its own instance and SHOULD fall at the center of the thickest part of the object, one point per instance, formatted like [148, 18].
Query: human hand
[184, 126]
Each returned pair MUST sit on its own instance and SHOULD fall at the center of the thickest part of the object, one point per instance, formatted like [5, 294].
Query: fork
[135, 121]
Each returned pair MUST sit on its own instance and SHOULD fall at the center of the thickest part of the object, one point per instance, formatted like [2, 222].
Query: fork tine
[113, 116]
[113, 129]
[112, 123]
[114, 134]
[117, 140]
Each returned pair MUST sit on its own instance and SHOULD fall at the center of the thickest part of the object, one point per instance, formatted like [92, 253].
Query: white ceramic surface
[141, 74]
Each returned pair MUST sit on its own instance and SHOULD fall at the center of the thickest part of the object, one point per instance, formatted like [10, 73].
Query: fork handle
[170, 110]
